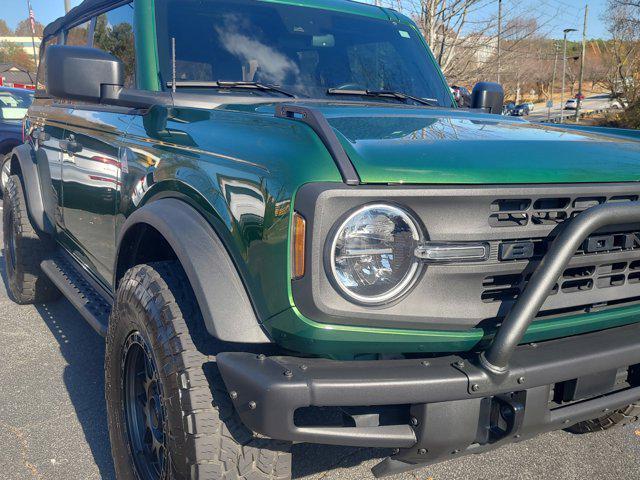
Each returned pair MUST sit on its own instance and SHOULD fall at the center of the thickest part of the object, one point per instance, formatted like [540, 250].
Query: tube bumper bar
[496, 358]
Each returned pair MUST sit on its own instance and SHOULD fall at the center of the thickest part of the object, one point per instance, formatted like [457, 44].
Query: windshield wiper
[232, 84]
[384, 93]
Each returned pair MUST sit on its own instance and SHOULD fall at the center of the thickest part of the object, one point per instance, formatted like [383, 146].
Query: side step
[79, 291]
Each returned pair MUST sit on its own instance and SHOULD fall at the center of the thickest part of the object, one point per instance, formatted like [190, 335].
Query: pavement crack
[24, 449]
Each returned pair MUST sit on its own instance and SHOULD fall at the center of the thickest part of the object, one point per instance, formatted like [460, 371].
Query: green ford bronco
[288, 232]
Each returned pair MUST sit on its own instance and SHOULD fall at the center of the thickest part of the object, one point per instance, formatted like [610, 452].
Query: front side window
[114, 34]
[78, 36]
[305, 51]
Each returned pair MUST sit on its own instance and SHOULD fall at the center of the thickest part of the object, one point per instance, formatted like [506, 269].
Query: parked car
[288, 231]
[14, 103]
[571, 104]
[520, 110]
[530, 106]
[462, 95]
[618, 104]
[508, 108]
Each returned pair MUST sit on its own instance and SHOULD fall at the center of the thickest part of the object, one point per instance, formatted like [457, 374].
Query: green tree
[5, 31]
[119, 41]
[24, 28]
[15, 54]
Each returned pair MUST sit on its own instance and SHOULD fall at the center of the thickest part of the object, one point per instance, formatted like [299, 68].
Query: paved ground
[52, 419]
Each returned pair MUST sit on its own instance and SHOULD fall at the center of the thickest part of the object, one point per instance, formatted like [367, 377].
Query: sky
[558, 14]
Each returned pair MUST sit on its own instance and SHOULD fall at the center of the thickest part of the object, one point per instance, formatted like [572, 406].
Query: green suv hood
[398, 144]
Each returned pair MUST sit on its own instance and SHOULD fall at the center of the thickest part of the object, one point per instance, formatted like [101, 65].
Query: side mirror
[82, 73]
[488, 96]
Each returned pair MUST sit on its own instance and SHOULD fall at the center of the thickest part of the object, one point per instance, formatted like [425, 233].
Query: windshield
[14, 104]
[302, 50]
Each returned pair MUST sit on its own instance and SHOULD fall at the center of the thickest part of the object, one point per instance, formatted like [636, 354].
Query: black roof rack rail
[85, 10]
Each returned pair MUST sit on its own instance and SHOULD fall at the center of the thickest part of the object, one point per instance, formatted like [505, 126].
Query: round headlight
[372, 256]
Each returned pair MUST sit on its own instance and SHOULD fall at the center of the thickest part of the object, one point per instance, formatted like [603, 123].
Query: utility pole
[499, 34]
[67, 6]
[553, 81]
[582, 60]
[564, 71]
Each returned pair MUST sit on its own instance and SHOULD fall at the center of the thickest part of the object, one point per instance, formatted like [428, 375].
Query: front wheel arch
[222, 297]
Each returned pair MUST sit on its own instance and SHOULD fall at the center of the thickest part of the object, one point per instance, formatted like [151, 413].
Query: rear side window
[41, 81]
[78, 36]
[114, 34]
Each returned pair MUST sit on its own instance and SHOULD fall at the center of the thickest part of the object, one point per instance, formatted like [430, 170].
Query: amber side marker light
[298, 246]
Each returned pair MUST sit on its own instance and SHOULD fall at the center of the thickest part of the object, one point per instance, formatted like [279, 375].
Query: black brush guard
[457, 404]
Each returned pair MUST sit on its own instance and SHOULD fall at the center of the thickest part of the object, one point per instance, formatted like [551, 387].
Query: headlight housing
[371, 256]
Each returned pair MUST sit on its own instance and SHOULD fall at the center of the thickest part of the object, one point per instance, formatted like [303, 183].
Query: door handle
[70, 145]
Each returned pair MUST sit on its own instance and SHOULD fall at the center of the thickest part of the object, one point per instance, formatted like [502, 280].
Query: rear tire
[194, 431]
[617, 418]
[24, 250]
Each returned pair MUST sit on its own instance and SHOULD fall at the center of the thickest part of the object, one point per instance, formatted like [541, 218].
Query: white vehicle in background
[618, 104]
[572, 104]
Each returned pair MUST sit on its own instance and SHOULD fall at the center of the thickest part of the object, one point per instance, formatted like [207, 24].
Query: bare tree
[442, 23]
[623, 50]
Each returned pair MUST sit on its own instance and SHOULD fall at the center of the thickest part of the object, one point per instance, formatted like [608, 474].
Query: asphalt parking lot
[53, 424]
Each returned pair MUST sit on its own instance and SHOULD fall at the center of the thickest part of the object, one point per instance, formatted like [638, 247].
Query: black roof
[85, 9]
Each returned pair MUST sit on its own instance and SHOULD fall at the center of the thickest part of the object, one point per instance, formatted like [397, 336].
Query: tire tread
[211, 438]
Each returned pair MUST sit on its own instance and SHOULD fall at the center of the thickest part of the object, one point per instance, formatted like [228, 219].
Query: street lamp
[564, 71]
[556, 47]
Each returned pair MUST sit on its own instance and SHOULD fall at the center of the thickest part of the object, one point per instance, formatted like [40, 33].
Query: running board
[79, 291]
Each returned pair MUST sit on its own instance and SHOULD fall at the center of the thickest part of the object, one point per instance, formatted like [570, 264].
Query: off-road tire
[24, 249]
[617, 418]
[205, 437]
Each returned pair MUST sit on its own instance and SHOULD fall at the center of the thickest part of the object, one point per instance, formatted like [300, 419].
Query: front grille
[520, 212]
[574, 280]
[517, 221]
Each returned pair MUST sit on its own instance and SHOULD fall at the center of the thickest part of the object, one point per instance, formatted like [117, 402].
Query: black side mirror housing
[82, 73]
[94, 76]
[488, 96]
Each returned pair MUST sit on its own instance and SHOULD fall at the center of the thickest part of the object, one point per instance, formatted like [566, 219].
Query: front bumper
[451, 403]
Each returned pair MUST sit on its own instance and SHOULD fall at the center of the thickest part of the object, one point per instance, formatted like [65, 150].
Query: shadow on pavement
[83, 351]
[309, 459]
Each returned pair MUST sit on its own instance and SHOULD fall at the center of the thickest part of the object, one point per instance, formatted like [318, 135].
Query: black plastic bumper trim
[594, 408]
[267, 391]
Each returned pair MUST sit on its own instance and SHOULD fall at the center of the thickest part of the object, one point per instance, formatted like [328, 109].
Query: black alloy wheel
[143, 408]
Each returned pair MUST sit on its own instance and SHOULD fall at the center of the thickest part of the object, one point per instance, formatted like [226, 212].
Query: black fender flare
[31, 181]
[225, 305]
